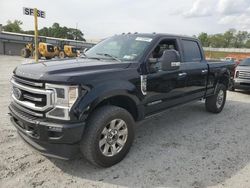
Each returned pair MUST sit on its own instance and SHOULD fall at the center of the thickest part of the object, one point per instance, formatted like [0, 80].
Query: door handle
[182, 74]
[204, 71]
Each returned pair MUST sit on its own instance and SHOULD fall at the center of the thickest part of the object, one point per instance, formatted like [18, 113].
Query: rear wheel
[62, 54]
[231, 85]
[25, 53]
[231, 88]
[216, 103]
[108, 136]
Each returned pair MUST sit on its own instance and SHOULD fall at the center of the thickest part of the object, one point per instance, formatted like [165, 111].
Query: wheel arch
[122, 96]
[224, 78]
[122, 101]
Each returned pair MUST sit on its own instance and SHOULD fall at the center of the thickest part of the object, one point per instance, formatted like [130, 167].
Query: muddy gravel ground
[181, 147]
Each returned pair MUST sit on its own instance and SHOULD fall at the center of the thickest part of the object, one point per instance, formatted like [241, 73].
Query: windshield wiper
[87, 57]
[83, 55]
[108, 55]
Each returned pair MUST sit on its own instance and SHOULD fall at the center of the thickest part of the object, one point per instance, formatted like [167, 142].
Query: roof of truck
[158, 35]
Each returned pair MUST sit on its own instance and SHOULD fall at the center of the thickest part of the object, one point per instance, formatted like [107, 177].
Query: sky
[102, 18]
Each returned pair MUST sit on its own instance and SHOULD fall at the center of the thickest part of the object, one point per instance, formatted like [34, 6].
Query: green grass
[217, 55]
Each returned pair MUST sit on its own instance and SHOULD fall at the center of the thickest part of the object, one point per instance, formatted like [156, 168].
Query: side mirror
[170, 60]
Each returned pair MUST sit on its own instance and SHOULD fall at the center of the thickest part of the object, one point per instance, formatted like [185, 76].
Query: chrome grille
[24, 113]
[32, 98]
[244, 75]
[32, 95]
[27, 82]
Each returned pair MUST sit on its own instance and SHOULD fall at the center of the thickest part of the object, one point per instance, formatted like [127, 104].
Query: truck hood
[243, 68]
[68, 71]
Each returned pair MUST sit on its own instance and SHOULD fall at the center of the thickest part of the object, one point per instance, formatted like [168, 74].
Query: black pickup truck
[89, 105]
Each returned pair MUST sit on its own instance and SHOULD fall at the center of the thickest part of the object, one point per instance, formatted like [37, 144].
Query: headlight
[65, 97]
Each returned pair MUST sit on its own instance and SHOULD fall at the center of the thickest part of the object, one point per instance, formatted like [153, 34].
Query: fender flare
[222, 73]
[103, 91]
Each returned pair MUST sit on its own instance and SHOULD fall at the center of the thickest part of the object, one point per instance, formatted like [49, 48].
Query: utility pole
[36, 13]
[36, 35]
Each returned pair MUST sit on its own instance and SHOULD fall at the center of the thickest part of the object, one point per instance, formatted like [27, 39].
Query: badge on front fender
[144, 84]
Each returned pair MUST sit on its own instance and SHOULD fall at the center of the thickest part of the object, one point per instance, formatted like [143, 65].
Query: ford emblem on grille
[17, 93]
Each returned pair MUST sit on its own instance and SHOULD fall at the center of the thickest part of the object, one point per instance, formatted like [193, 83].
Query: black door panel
[164, 89]
[196, 77]
[169, 88]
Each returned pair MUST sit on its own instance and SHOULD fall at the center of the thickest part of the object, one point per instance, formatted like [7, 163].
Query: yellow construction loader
[27, 51]
[68, 51]
[45, 50]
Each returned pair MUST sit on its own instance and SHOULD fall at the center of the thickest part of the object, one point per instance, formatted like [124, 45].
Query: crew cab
[242, 76]
[90, 105]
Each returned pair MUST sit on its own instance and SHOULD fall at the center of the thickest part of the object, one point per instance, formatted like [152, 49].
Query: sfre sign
[30, 12]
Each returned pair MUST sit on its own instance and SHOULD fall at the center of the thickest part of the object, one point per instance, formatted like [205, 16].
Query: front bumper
[52, 139]
[241, 84]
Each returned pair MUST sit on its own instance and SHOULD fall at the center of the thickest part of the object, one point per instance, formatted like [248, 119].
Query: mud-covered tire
[25, 53]
[62, 55]
[231, 85]
[216, 102]
[97, 124]
[39, 55]
[231, 88]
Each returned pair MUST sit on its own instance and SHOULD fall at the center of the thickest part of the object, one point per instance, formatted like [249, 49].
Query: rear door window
[191, 51]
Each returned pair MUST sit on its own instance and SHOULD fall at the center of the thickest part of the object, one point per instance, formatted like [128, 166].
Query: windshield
[121, 47]
[245, 62]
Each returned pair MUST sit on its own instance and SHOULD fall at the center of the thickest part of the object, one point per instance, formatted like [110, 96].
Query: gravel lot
[181, 147]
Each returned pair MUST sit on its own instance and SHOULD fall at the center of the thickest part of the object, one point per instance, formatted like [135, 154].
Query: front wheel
[62, 55]
[25, 53]
[108, 136]
[216, 102]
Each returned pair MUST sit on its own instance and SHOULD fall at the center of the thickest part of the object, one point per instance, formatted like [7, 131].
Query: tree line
[229, 39]
[54, 31]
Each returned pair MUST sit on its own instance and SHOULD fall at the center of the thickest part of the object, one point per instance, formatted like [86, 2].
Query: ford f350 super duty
[89, 105]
